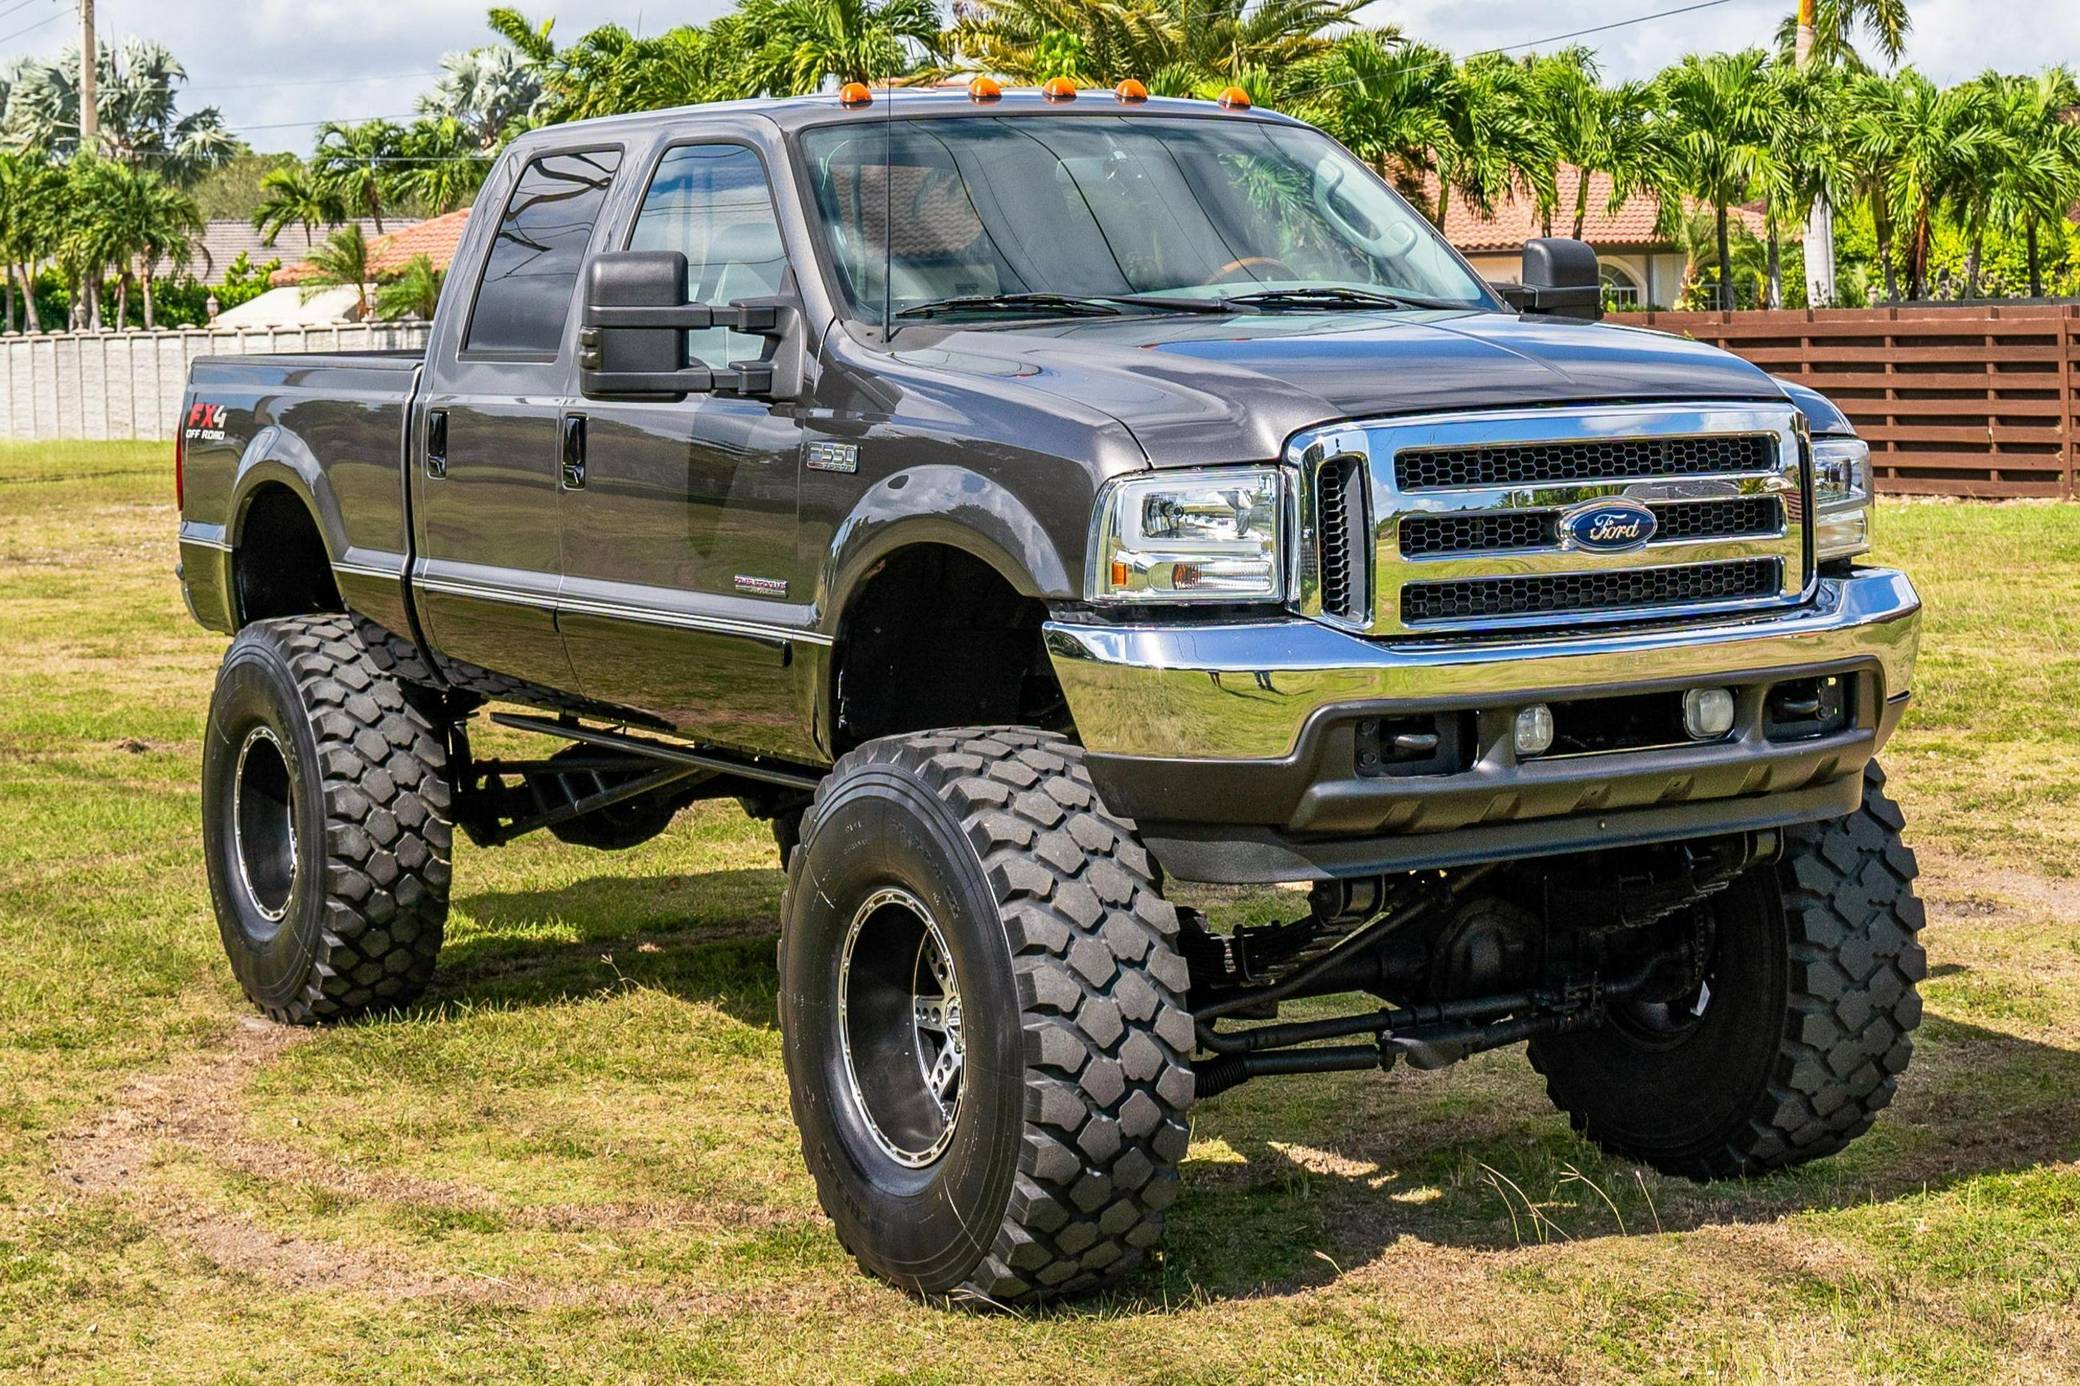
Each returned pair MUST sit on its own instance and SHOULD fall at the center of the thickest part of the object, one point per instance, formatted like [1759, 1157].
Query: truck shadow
[1294, 1182]
[1291, 1188]
[706, 937]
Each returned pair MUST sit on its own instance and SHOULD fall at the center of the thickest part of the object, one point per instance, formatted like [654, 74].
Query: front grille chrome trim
[1378, 444]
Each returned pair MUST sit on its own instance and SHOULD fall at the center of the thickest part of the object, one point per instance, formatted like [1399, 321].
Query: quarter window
[531, 274]
[710, 202]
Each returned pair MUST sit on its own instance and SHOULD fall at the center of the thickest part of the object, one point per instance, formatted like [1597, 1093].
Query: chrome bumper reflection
[1243, 691]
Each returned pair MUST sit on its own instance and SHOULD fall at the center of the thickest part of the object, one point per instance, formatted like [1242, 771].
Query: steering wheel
[1226, 273]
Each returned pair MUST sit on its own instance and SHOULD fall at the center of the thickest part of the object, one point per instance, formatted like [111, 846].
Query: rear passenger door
[490, 487]
[684, 599]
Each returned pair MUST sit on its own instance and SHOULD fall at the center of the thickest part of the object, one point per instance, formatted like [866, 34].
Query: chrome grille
[1339, 520]
[1429, 534]
[1543, 463]
[1641, 588]
[1458, 521]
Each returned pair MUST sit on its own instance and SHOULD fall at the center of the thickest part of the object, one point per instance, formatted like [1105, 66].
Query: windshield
[1097, 207]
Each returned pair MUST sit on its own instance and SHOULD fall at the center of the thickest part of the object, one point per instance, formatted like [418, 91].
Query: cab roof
[798, 112]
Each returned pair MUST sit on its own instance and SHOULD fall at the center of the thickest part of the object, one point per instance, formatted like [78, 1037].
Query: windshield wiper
[1337, 296]
[1010, 303]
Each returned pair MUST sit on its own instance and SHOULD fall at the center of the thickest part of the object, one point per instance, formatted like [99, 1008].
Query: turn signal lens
[1059, 89]
[1130, 90]
[855, 94]
[985, 89]
[1234, 99]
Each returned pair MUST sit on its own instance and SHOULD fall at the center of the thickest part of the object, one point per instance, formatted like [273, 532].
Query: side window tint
[710, 202]
[531, 275]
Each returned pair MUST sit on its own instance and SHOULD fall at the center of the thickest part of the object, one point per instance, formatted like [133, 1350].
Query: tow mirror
[632, 335]
[1561, 279]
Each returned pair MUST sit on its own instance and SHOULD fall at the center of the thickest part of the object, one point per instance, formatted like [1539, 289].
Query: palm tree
[1173, 45]
[358, 164]
[340, 263]
[136, 88]
[1385, 99]
[31, 200]
[490, 91]
[1724, 145]
[1829, 30]
[1926, 144]
[1633, 146]
[1568, 99]
[414, 292]
[1803, 112]
[1709, 246]
[441, 165]
[808, 43]
[610, 71]
[2039, 181]
[1495, 140]
[295, 196]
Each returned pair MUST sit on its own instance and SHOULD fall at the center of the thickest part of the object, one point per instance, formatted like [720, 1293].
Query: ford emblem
[1608, 526]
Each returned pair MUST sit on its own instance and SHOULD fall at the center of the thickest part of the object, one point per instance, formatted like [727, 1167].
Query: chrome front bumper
[1231, 742]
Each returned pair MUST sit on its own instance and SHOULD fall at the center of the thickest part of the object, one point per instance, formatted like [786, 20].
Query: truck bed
[331, 424]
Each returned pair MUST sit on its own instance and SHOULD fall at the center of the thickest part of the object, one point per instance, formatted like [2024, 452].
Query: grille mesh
[1604, 460]
[1539, 529]
[1602, 591]
[1338, 516]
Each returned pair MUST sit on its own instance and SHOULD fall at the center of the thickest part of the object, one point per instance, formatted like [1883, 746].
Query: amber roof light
[1059, 89]
[1234, 99]
[1130, 90]
[985, 89]
[855, 94]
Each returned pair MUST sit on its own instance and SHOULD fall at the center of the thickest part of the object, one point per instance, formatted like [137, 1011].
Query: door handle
[436, 442]
[574, 452]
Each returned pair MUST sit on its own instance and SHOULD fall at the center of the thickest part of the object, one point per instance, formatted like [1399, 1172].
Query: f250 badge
[206, 423]
[1608, 526]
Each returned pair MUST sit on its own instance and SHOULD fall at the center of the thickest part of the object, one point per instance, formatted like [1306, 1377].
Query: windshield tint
[1092, 206]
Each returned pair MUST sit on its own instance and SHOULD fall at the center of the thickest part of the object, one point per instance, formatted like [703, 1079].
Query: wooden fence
[1955, 401]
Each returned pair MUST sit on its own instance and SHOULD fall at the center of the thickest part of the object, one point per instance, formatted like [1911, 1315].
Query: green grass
[576, 1159]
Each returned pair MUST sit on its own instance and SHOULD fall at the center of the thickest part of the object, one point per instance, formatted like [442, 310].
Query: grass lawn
[577, 1159]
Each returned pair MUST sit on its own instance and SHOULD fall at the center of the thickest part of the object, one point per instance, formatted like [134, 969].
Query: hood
[1198, 390]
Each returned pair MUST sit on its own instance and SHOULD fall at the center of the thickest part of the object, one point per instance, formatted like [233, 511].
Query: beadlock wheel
[899, 1022]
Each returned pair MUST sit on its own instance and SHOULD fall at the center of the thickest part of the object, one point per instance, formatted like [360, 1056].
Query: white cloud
[349, 60]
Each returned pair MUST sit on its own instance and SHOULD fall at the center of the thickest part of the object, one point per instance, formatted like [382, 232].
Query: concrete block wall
[128, 384]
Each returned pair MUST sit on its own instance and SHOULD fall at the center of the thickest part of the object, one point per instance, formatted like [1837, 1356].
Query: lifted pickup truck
[1026, 502]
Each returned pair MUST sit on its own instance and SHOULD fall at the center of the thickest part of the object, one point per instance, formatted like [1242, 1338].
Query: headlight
[1208, 536]
[1841, 497]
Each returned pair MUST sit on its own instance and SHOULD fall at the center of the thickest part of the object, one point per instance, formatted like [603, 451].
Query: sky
[278, 67]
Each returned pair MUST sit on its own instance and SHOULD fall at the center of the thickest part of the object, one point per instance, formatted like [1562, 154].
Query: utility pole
[89, 73]
[1819, 239]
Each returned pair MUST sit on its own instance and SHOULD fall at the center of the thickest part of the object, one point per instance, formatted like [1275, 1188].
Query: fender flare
[278, 457]
[949, 506]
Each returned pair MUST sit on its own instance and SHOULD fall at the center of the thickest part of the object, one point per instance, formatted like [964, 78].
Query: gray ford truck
[1026, 504]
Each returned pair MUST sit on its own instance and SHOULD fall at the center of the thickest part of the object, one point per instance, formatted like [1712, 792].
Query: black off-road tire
[1808, 1026]
[333, 905]
[1063, 1155]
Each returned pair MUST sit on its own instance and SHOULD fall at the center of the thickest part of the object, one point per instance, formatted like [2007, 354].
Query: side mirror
[633, 326]
[1561, 279]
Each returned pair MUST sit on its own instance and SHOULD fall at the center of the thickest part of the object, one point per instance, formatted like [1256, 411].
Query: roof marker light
[1059, 89]
[1234, 99]
[985, 89]
[855, 94]
[1131, 91]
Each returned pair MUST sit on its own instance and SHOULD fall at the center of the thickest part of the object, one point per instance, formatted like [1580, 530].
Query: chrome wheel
[263, 823]
[899, 1026]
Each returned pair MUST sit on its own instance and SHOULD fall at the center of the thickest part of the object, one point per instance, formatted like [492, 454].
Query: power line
[17, 5]
[53, 19]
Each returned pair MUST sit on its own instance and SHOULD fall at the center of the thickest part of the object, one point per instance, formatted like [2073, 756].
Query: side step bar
[702, 757]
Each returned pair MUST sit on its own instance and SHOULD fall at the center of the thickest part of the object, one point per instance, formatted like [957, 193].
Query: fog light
[1534, 730]
[1707, 713]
